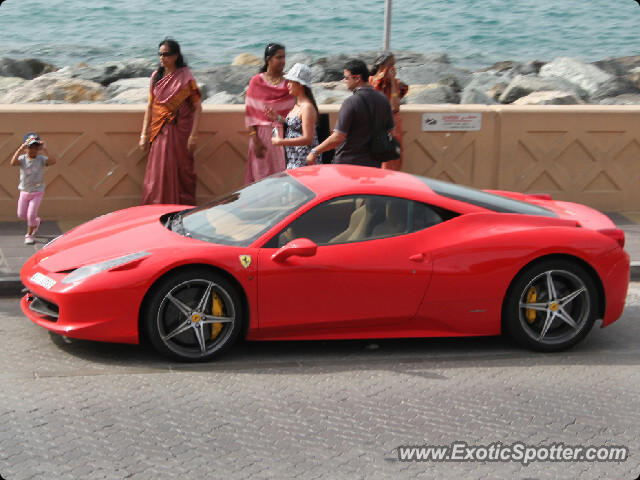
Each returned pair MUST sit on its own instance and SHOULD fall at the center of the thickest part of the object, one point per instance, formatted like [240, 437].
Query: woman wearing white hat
[301, 121]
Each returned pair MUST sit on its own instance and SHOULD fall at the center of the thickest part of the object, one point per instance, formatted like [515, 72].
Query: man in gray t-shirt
[353, 131]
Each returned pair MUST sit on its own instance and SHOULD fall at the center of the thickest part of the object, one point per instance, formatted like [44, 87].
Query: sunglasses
[165, 54]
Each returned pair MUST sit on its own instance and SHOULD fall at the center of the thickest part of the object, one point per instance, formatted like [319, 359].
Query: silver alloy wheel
[561, 308]
[185, 322]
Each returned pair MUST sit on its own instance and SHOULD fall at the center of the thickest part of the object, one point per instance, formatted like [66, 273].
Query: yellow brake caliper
[217, 310]
[532, 296]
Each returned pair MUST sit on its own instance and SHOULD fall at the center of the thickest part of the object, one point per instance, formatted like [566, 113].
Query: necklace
[273, 81]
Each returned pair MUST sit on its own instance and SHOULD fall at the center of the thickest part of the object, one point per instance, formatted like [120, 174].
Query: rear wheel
[551, 306]
[193, 315]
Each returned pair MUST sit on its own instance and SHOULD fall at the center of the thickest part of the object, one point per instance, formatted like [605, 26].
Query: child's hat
[31, 138]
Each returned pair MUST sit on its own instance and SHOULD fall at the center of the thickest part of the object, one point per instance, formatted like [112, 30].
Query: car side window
[339, 220]
[359, 218]
[425, 216]
[395, 220]
[327, 223]
[403, 216]
[320, 224]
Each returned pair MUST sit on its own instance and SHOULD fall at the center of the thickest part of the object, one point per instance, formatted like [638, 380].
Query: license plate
[42, 280]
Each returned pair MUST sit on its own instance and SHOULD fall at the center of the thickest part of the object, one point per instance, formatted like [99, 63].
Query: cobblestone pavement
[335, 410]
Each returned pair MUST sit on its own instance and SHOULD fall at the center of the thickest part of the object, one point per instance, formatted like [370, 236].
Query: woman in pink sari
[169, 130]
[267, 91]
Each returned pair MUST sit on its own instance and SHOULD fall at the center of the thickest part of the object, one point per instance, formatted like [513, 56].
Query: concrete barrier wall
[588, 154]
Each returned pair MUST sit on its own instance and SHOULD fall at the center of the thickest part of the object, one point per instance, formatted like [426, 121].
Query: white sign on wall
[447, 122]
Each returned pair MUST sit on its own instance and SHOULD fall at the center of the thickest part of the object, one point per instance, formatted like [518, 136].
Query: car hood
[110, 236]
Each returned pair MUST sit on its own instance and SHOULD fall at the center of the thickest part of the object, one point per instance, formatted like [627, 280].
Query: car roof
[350, 179]
[336, 180]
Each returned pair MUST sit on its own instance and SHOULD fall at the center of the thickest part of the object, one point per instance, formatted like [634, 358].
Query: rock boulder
[247, 59]
[10, 83]
[613, 88]
[224, 98]
[472, 96]
[585, 75]
[484, 83]
[625, 99]
[523, 85]
[620, 66]
[51, 88]
[549, 98]
[28, 69]
[432, 93]
[107, 73]
[225, 78]
[434, 73]
[330, 93]
[120, 86]
[132, 95]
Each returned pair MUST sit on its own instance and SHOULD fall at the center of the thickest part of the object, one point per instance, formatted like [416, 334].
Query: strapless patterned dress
[297, 156]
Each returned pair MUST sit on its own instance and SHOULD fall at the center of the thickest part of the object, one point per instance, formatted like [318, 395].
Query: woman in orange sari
[169, 130]
[383, 78]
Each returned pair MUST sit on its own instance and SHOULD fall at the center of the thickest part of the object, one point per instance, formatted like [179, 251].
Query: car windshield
[490, 201]
[243, 216]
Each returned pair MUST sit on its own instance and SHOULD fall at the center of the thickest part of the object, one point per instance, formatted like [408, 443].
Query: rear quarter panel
[477, 256]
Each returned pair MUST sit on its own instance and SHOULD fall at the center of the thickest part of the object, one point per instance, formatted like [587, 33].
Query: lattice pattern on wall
[465, 157]
[586, 158]
[220, 163]
[449, 157]
[588, 155]
[100, 167]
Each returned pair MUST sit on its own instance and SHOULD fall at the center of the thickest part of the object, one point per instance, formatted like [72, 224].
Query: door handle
[418, 257]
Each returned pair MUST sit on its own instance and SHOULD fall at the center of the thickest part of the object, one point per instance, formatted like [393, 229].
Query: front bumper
[104, 314]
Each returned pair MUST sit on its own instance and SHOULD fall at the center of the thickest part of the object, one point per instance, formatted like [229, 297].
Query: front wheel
[551, 306]
[193, 315]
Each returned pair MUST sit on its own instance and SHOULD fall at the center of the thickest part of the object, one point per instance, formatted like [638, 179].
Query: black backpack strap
[369, 113]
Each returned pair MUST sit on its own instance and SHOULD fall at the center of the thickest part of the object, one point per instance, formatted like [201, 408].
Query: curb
[10, 286]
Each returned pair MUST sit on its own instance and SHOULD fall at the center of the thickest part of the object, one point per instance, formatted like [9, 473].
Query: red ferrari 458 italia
[333, 252]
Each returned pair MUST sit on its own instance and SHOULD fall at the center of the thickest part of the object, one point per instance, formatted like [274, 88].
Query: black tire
[179, 316]
[551, 305]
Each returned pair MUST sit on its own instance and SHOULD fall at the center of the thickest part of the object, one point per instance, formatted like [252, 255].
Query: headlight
[87, 271]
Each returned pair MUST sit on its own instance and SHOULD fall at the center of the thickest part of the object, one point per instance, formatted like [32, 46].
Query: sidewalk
[14, 253]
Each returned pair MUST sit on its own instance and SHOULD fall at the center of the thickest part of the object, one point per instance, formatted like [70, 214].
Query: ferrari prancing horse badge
[245, 260]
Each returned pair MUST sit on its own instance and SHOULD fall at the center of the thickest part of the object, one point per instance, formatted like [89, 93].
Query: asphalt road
[85, 410]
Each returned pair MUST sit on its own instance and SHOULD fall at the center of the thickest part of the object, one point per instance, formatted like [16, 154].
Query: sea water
[473, 33]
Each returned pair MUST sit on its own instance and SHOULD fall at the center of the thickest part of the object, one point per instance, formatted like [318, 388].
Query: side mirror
[301, 247]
